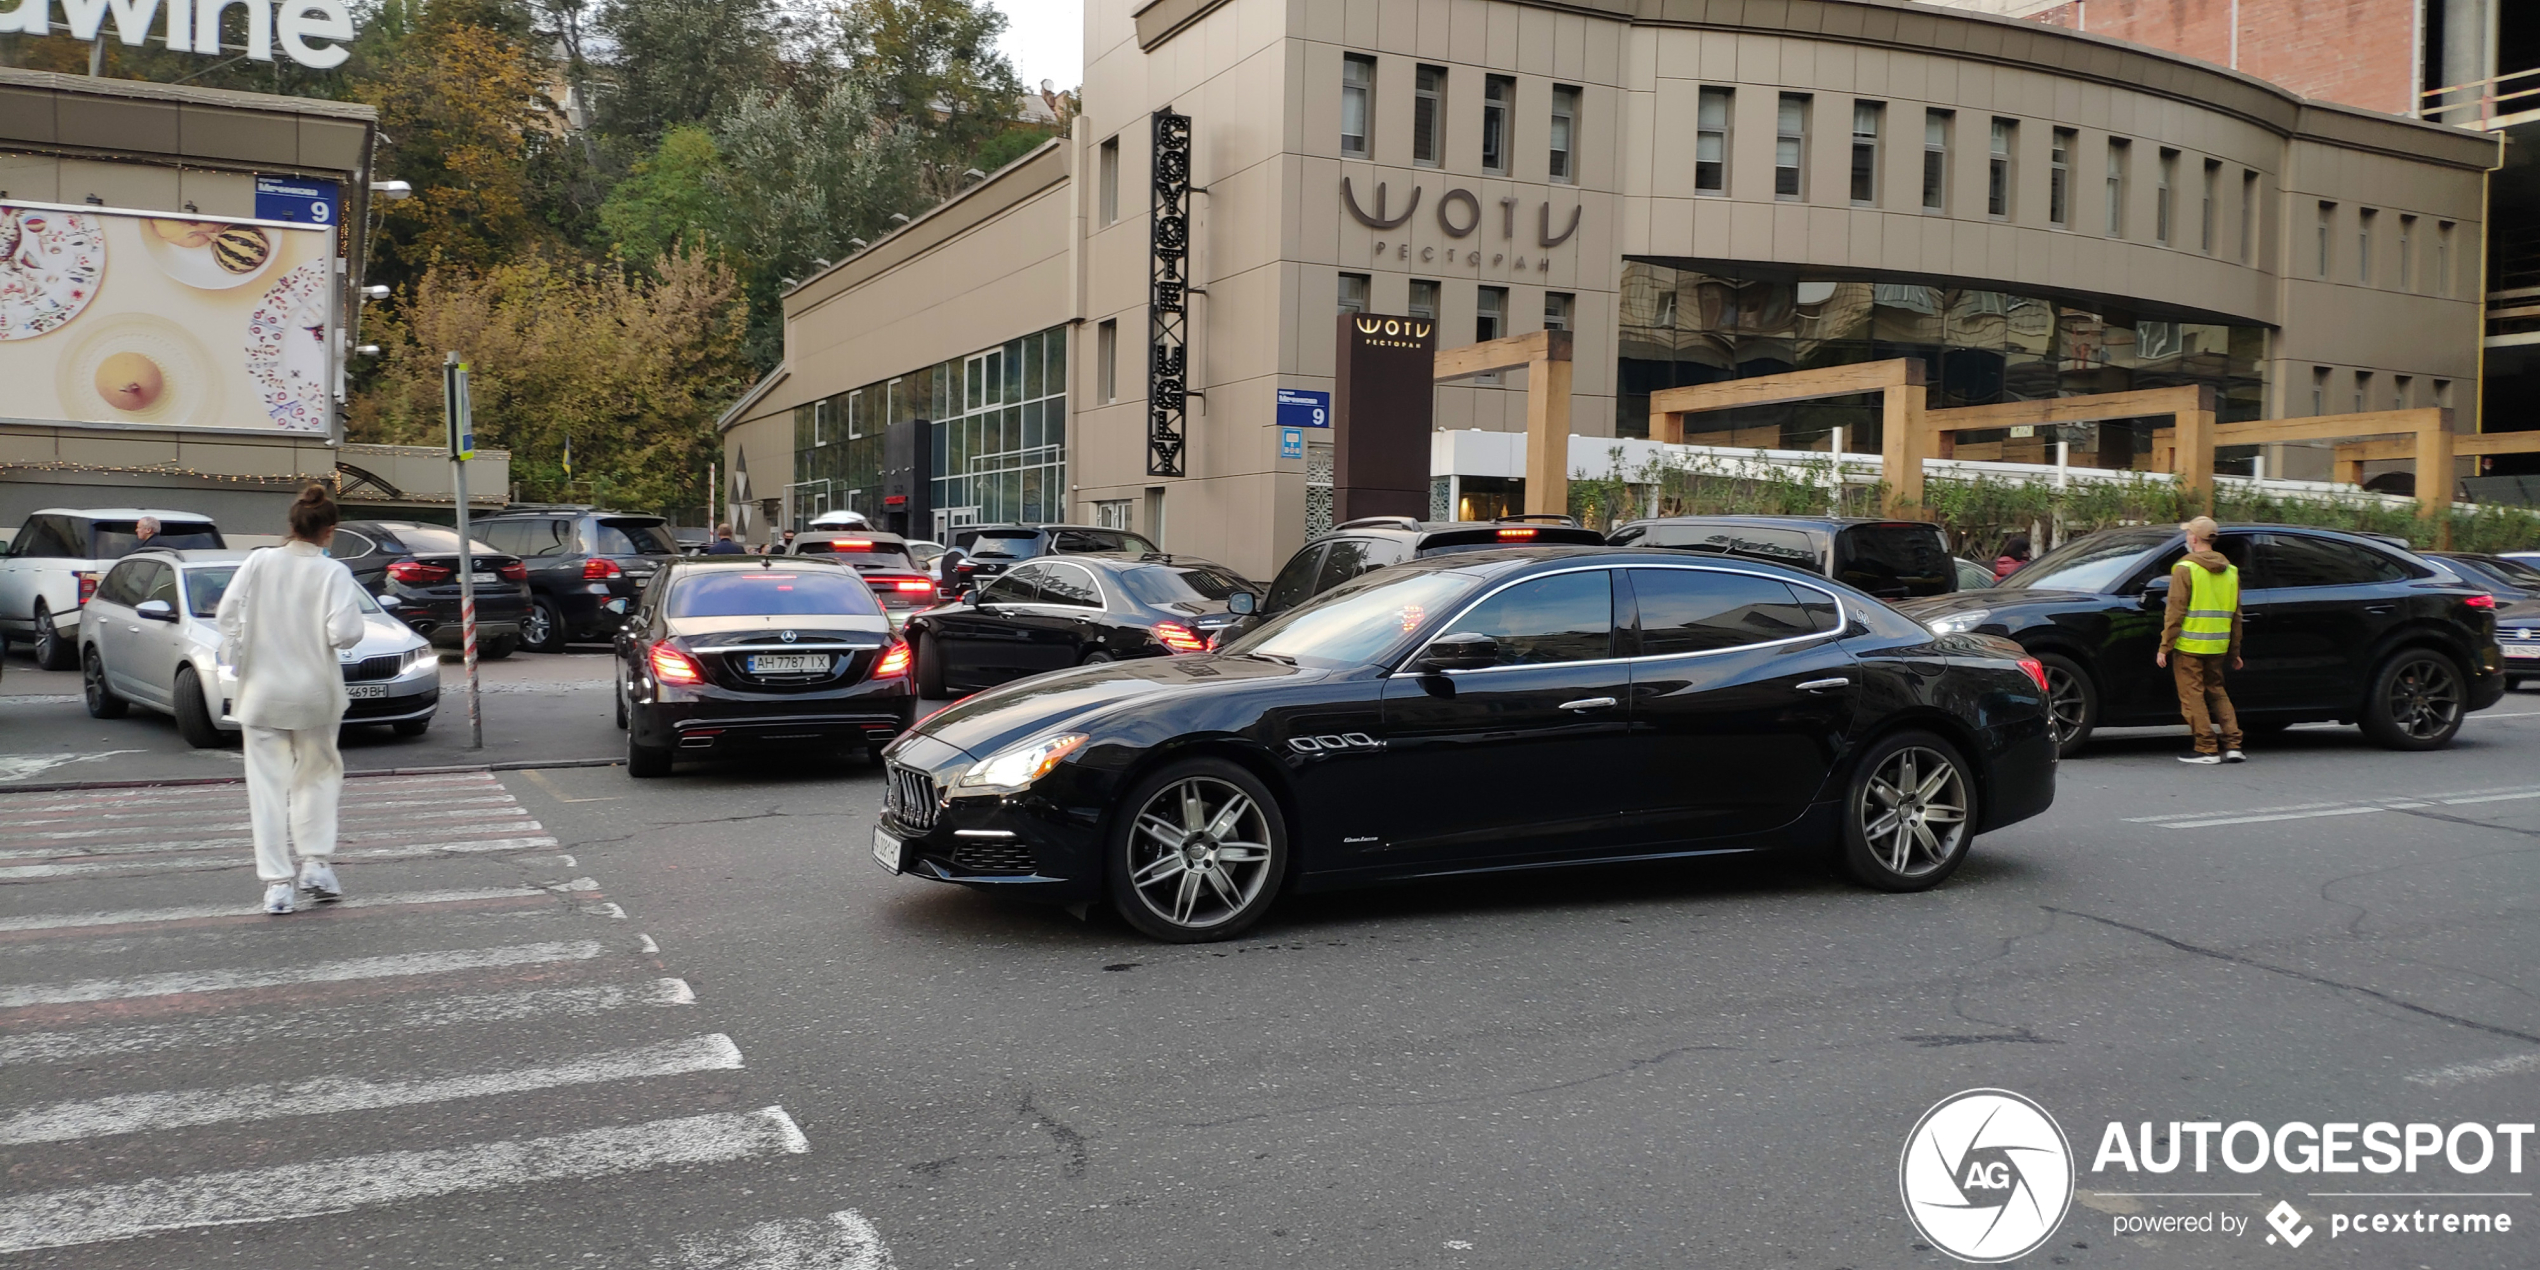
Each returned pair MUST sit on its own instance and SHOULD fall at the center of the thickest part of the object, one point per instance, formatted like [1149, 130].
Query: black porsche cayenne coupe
[1481, 712]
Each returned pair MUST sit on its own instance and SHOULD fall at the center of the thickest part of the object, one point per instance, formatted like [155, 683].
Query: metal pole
[463, 448]
[1835, 476]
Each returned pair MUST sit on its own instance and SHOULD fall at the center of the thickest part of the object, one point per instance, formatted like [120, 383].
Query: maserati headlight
[1012, 771]
[1958, 623]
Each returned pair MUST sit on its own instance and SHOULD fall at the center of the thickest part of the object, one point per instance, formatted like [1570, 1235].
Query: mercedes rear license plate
[886, 850]
[365, 692]
[789, 663]
[2522, 650]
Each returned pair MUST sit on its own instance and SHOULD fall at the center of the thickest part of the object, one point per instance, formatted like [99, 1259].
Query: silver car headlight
[416, 658]
[1958, 623]
[1011, 771]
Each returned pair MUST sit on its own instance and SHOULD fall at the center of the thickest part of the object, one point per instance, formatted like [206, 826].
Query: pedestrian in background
[286, 612]
[723, 544]
[788, 549]
[2014, 554]
[2199, 638]
[143, 531]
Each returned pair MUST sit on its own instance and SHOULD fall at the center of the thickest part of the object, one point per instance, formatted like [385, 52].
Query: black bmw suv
[1891, 559]
[1372, 542]
[586, 566]
[2335, 626]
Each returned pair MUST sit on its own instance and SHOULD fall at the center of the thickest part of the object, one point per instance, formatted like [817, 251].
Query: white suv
[57, 557]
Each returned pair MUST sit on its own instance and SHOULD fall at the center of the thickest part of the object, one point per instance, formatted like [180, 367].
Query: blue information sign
[297, 200]
[1291, 443]
[1304, 408]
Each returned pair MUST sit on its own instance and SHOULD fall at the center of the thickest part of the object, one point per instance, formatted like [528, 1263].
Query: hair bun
[313, 495]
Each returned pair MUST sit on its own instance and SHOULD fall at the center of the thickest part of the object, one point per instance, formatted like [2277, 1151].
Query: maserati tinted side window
[1565, 617]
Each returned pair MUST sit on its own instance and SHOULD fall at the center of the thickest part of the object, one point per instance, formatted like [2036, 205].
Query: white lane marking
[505, 810]
[610, 911]
[161, 1110]
[649, 945]
[842, 1241]
[181, 810]
[96, 1214]
[2462, 1074]
[164, 846]
[36, 872]
[2310, 811]
[546, 862]
[17, 767]
[238, 1031]
[388, 967]
[2290, 815]
[394, 899]
[358, 789]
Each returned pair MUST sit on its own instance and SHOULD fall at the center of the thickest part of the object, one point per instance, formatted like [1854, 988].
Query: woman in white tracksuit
[285, 614]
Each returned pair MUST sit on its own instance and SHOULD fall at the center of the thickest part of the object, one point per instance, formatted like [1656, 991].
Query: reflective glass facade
[1683, 326]
[996, 424]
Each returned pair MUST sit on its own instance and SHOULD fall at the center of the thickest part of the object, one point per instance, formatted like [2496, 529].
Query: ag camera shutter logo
[1987, 1176]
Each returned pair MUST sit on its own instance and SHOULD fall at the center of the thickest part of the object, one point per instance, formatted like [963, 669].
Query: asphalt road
[1692, 1065]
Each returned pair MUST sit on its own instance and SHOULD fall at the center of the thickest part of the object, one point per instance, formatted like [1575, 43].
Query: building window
[1499, 94]
[1997, 170]
[1866, 117]
[1565, 138]
[2407, 253]
[1428, 116]
[1557, 309]
[2117, 156]
[1107, 361]
[1109, 181]
[1112, 513]
[1354, 292]
[2365, 220]
[2205, 218]
[2328, 221]
[1936, 160]
[2248, 216]
[1424, 299]
[2059, 180]
[2165, 199]
[2363, 391]
[2442, 276]
[1711, 142]
[1490, 321]
[1790, 146]
[2443, 394]
[2319, 390]
[2400, 387]
[1358, 91]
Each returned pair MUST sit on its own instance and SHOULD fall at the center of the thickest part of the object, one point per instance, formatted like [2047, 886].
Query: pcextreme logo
[1987, 1175]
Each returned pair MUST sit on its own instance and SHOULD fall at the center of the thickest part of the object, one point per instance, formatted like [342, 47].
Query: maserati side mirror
[1467, 650]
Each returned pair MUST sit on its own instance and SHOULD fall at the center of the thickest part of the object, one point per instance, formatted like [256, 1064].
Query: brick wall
[2358, 52]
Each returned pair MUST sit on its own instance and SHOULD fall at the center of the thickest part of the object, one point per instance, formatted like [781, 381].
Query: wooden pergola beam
[2424, 434]
[1545, 356]
[2190, 408]
[1905, 441]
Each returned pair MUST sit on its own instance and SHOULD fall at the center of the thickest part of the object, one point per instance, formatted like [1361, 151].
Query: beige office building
[1699, 189]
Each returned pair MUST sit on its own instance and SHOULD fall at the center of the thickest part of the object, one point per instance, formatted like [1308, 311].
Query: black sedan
[1476, 713]
[730, 653]
[2335, 626]
[1054, 613]
[413, 571]
[2516, 586]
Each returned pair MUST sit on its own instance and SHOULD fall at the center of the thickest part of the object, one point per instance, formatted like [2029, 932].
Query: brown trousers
[2202, 699]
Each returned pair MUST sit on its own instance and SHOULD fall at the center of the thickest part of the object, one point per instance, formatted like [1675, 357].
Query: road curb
[57, 787]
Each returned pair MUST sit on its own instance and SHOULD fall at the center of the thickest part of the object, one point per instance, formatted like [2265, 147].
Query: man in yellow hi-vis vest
[2200, 637]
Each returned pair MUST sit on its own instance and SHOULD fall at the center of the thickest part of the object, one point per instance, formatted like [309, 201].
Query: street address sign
[1304, 408]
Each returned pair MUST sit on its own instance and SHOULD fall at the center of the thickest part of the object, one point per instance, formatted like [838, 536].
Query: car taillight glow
[513, 572]
[417, 573]
[2481, 601]
[893, 663]
[1517, 531]
[600, 570]
[1179, 638]
[87, 586]
[672, 666]
[2036, 671]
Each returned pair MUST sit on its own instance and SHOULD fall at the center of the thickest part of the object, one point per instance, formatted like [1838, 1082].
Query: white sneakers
[2202, 759]
[316, 877]
[2234, 756]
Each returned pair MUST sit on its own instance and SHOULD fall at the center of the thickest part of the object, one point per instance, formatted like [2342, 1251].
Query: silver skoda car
[147, 638]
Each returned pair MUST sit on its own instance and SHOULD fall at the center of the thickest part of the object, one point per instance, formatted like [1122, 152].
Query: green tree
[933, 67]
[684, 62]
[668, 201]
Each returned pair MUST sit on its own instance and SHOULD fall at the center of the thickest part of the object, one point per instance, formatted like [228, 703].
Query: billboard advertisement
[184, 322]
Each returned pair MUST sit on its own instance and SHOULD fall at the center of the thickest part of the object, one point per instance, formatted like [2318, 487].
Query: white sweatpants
[294, 779]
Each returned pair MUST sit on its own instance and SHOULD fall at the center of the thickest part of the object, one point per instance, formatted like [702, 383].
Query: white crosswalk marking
[306, 1045]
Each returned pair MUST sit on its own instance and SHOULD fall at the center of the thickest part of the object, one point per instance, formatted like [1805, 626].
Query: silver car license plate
[365, 692]
[886, 850]
[789, 663]
[2522, 650]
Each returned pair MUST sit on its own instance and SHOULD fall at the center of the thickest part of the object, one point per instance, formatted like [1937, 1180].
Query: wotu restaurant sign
[1459, 216]
[310, 31]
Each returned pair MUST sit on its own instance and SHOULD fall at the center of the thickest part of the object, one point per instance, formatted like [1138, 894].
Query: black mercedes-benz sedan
[1481, 712]
[1058, 612]
[727, 653]
[2335, 626]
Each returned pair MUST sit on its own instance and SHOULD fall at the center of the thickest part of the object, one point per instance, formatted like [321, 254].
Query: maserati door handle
[1589, 703]
[1825, 685]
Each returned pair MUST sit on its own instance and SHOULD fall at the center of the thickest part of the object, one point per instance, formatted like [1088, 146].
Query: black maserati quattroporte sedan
[1481, 712]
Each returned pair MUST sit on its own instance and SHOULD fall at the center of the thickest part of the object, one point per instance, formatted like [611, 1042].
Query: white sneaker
[278, 898]
[2201, 759]
[318, 879]
[2234, 756]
